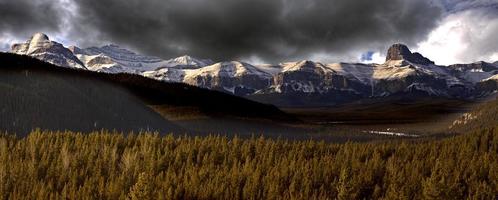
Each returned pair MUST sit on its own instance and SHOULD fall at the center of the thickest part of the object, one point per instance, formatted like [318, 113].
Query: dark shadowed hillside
[36, 98]
[36, 94]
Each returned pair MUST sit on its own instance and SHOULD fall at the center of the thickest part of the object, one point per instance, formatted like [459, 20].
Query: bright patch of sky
[6, 40]
[367, 56]
[463, 37]
[372, 57]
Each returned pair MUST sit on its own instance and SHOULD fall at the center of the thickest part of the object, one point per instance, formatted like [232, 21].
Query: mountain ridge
[41, 47]
[403, 73]
[42, 95]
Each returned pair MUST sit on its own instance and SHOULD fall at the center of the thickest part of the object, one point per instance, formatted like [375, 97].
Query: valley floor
[399, 119]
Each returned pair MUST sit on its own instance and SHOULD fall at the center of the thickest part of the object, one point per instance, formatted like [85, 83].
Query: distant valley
[110, 87]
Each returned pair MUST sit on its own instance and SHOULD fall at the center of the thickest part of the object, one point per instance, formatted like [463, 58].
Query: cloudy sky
[264, 31]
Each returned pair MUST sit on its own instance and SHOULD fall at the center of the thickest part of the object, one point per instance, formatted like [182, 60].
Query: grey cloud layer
[273, 30]
[480, 33]
[25, 16]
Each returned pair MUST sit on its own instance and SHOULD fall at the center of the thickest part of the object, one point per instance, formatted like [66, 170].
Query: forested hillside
[101, 165]
[36, 94]
[48, 100]
[484, 115]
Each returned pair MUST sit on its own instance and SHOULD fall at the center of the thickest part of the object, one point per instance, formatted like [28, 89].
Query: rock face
[115, 59]
[474, 72]
[40, 46]
[234, 77]
[401, 52]
[404, 73]
[188, 62]
[311, 77]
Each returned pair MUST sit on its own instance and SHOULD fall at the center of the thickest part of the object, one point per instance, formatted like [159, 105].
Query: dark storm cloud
[26, 16]
[273, 30]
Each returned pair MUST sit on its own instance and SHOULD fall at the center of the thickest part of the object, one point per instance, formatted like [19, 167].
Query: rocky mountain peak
[397, 52]
[39, 37]
[185, 59]
[306, 62]
[40, 46]
[188, 60]
[401, 52]
[406, 73]
[75, 50]
[37, 40]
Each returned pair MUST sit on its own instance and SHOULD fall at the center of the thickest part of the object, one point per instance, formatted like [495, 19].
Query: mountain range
[37, 94]
[404, 74]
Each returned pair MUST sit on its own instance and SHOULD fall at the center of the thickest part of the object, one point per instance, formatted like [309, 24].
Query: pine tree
[344, 187]
[142, 190]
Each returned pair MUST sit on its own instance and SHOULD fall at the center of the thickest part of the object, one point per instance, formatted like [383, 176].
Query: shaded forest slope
[40, 95]
[36, 98]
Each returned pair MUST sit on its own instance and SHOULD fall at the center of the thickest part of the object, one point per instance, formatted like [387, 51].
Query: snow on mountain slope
[313, 77]
[474, 72]
[117, 60]
[304, 77]
[390, 70]
[400, 55]
[114, 59]
[359, 72]
[230, 76]
[405, 76]
[269, 68]
[393, 71]
[166, 74]
[174, 69]
[403, 72]
[403, 68]
[227, 69]
[369, 73]
[121, 54]
[305, 66]
[102, 63]
[40, 47]
[189, 62]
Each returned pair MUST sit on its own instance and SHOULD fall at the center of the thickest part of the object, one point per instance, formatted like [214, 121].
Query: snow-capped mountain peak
[404, 72]
[41, 47]
[38, 40]
[229, 69]
[190, 61]
[112, 58]
[233, 76]
[305, 65]
[118, 53]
